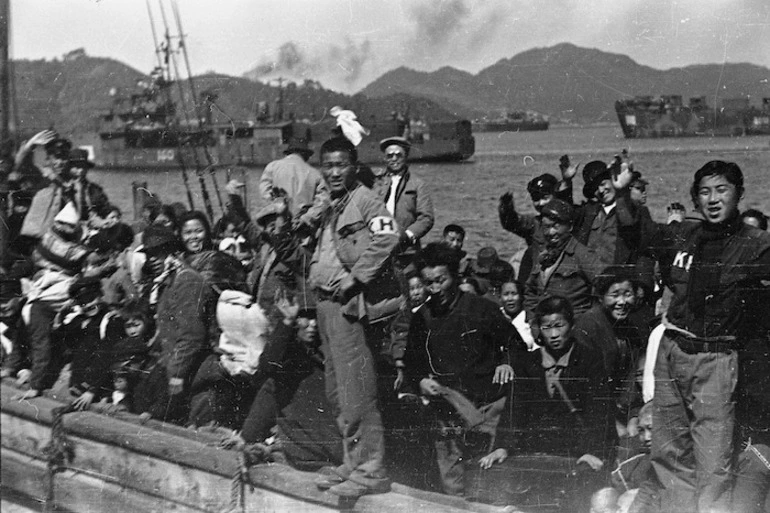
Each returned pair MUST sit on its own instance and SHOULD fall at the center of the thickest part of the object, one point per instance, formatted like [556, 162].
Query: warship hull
[646, 117]
[449, 141]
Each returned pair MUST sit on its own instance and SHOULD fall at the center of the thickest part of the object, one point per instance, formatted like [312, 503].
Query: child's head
[454, 236]
[645, 426]
[121, 378]
[307, 326]
[417, 291]
[555, 318]
[136, 322]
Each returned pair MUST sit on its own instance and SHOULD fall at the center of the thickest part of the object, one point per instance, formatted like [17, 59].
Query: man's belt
[695, 345]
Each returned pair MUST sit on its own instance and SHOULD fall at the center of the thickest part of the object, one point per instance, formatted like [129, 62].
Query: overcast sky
[348, 43]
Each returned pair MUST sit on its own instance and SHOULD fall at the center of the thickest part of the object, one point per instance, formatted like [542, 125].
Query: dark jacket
[545, 424]
[414, 207]
[462, 348]
[90, 367]
[572, 279]
[629, 232]
[619, 342]
[186, 314]
[729, 305]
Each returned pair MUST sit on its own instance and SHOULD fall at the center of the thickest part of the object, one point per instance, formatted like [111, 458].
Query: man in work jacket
[348, 274]
[406, 198]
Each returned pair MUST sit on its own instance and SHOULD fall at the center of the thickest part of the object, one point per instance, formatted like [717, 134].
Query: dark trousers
[351, 387]
[44, 370]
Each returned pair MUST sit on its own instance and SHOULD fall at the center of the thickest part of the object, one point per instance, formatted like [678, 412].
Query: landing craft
[667, 116]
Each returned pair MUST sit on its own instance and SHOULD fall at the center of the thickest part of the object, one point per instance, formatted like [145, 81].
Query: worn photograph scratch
[488, 256]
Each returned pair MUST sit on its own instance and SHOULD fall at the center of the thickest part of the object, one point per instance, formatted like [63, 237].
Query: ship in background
[146, 130]
[515, 121]
[668, 116]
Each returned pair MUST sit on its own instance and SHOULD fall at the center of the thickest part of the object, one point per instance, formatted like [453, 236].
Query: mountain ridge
[572, 83]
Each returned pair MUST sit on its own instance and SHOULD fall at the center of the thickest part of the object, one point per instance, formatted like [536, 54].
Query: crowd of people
[628, 357]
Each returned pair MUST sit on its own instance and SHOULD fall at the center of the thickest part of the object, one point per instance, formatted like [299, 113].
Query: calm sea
[467, 193]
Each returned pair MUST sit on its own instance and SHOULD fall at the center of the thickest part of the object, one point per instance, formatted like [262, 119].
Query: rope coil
[59, 451]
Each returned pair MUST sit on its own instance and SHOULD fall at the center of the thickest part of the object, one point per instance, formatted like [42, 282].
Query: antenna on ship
[198, 170]
[196, 104]
[163, 65]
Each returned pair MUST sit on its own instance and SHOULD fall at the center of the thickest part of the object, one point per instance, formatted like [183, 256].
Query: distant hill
[569, 83]
[72, 94]
[566, 82]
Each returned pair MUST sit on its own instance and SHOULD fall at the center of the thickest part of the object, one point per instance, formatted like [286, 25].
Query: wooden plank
[78, 492]
[182, 467]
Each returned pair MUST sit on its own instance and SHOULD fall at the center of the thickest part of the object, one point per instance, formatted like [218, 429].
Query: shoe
[328, 478]
[350, 490]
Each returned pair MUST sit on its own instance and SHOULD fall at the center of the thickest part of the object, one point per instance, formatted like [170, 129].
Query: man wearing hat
[282, 264]
[406, 198]
[69, 185]
[162, 248]
[563, 266]
[608, 222]
[541, 190]
[57, 154]
[489, 270]
[300, 183]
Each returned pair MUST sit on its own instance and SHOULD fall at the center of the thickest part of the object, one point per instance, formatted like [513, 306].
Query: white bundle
[245, 329]
[348, 122]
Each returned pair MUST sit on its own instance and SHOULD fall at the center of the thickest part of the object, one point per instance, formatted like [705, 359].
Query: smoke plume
[336, 66]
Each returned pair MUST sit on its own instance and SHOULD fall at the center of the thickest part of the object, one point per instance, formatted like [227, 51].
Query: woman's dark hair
[473, 282]
[554, 305]
[197, 215]
[227, 219]
[436, 254]
[114, 238]
[612, 275]
[340, 144]
[756, 214]
[168, 211]
[729, 170]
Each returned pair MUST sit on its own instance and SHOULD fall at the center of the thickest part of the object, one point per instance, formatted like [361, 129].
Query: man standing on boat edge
[299, 182]
[349, 274]
[716, 268]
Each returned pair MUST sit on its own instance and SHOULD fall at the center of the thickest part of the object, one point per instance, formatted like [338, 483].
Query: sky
[345, 44]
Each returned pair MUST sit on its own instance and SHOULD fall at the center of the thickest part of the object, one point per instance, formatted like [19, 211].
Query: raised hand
[41, 138]
[568, 170]
[676, 213]
[621, 173]
[506, 202]
[289, 309]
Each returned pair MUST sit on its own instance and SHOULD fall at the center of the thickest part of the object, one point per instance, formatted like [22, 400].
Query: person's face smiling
[193, 236]
[717, 199]
[395, 158]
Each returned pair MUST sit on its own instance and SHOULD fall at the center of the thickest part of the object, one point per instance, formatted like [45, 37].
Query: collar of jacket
[403, 173]
[339, 204]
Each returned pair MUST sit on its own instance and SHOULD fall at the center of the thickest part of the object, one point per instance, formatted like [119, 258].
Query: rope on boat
[60, 451]
[238, 486]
